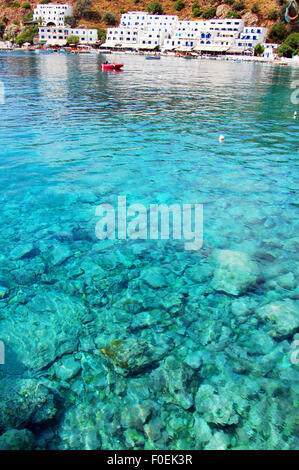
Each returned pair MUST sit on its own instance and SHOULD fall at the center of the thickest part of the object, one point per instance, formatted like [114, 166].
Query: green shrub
[136, 1]
[233, 14]
[239, 5]
[101, 34]
[28, 17]
[290, 46]
[15, 5]
[278, 32]
[259, 50]
[155, 8]
[70, 21]
[255, 8]
[73, 39]
[196, 10]
[273, 15]
[209, 13]
[27, 35]
[91, 15]
[229, 2]
[82, 7]
[2, 29]
[26, 6]
[179, 5]
[109, 19]
[45, 2]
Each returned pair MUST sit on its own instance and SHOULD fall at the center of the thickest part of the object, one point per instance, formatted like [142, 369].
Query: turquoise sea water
[132, 344]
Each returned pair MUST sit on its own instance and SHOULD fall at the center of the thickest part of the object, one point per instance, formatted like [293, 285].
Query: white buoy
[295, 114]
[221, 138]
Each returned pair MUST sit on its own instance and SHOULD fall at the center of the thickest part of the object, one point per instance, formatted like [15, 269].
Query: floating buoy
[295, 114]
[221, 138]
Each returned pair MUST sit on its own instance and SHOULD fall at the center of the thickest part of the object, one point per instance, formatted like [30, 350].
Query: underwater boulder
[67, 368]
[175, 383]
[25, 402]
[3, 292]
[55, 322]
[17, 439]
[60, 254]
[131, 356]
[221, 408]
[282, 317]
[135, 416]
[236, 272]
[155, 277]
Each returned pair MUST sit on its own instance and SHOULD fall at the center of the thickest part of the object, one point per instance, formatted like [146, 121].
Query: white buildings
[251, 36]
[58, 35]
[141, 30]
[52, 15]
[53, 30]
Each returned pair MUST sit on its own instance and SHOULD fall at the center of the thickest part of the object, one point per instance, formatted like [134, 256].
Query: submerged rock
[131, 356]
[24, 402]
[236, 272]
[60, 253]
[219, 441]
[135, 416]
[67, 369]
[174, 381]
[154, 277]
[15, 439]
[282, 317]
[153, 429]
[134, 438]
[202, 431]
[221, 408]
[22, 251]
[3, 292]
[49, 326]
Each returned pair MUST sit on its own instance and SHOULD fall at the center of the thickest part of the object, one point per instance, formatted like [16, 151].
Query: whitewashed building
[52, 15]
[141, 30]
[53, 30]
[251, 36]
[270, 50]
[58, 35]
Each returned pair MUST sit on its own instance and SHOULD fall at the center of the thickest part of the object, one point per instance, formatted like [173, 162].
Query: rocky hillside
[260, 12]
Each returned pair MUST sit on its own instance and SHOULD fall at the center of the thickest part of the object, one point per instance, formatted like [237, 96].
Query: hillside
[255, 11]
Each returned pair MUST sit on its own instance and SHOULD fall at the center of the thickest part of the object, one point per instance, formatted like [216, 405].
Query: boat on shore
[152, 57]
[112, 66]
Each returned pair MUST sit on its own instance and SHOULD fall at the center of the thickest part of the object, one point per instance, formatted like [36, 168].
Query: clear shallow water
[213, 370]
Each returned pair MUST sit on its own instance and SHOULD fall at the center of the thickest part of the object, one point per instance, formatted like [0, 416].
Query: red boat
[112, 66]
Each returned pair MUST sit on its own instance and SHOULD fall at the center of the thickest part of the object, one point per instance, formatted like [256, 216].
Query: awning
[211, 48]
[185, 48]
[239, 50]
[147, 46]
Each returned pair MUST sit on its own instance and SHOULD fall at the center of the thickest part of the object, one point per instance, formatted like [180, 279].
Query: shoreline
[234, 58]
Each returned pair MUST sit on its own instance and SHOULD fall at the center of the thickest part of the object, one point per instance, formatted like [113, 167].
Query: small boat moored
[112, 66]
[152, 57]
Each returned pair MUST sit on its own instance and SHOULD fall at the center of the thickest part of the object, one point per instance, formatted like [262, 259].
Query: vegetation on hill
[290, 46]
